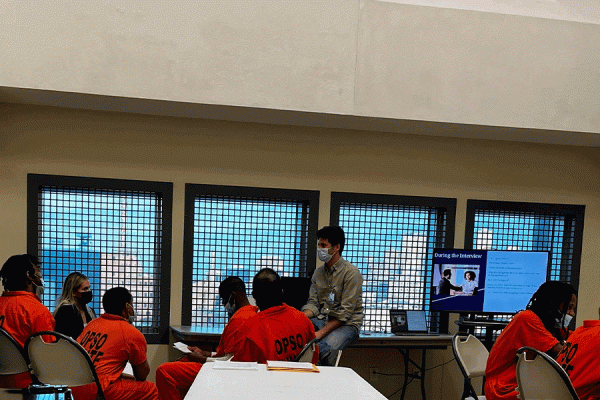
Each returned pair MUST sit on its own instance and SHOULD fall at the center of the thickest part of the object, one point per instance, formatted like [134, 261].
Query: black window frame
[574, 219]
[437, 321]
[193, 191]
[164, 190]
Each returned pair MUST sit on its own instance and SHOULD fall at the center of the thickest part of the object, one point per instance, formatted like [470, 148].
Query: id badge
[331, 298]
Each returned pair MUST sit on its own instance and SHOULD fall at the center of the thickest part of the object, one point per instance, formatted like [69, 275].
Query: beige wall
[370, 58]
[381, 70]
[51, 140]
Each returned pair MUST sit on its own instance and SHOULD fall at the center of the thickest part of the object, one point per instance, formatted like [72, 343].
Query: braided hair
[546, 302]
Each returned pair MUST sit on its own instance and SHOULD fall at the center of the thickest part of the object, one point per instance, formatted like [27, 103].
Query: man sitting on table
[278, 332]
[112, 341]
[335, 302]
[175, 378]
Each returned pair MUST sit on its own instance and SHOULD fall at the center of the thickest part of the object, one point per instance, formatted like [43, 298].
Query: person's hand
[197, 355]
[319, 334]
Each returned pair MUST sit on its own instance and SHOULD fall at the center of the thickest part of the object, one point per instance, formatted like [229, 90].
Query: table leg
[406, 376]
[420, 373]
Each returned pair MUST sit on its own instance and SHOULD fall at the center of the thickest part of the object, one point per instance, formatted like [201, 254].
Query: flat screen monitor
[296, 291]
[486, 281]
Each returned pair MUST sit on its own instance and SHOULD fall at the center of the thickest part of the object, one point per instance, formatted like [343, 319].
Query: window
[500, 225]
[117, 232]
[391, 240]
[231, 230]
[557, 228]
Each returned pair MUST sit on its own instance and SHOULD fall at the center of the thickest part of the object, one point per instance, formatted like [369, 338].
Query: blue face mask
[323, 254]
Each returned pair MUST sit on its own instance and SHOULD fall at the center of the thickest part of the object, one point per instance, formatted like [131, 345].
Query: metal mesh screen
[239, 236]
[529, 227]
[112, 236]
[509, 230]
[392, 246]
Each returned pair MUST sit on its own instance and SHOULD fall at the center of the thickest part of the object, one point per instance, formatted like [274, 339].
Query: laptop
[408, 322]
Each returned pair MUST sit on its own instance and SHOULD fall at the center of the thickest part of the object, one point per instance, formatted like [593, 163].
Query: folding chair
[471, 356]
[60, 364]
[309, 352]
[12, 356]
[541, 377]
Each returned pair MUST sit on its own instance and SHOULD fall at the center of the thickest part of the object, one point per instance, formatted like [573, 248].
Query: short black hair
[17, 270]
[115, 300]
[447, 271]
[229, 285]
[334, 235]
[267, 289]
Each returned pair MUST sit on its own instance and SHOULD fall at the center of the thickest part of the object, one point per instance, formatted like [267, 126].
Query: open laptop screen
[408, 321]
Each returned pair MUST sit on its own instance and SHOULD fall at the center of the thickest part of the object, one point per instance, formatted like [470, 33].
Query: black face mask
[86, 297]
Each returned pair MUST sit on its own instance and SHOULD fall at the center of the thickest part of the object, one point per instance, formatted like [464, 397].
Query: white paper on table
[218, 364]
[181, 347]
[226, 357]
[289, 364]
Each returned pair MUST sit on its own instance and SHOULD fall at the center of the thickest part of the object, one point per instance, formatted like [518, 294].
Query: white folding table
[330, 383]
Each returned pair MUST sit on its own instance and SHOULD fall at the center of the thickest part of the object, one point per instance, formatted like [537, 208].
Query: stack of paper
[235, 365]
[226, 357]
[291, 366]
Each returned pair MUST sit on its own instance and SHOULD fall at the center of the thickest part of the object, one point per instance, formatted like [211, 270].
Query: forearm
[332, 325]
[140, 372]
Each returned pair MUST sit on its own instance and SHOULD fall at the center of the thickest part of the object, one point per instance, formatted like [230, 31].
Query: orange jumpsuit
[175, 378]
[111, 342]
[580, 359]
[525, 329]
[21, 315]
[277, 333]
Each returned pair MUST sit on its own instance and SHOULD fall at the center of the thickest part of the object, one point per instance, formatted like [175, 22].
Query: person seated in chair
[579, 358]
[73, 312]
[174, 379]
[278, 332]
[541, 326]
[21, 310]
[111, 341]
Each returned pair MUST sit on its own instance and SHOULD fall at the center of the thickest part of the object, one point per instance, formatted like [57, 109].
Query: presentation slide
[486, 281]
[512, 278]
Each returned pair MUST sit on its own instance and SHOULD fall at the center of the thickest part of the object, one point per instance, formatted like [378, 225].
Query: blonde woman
[73, 313]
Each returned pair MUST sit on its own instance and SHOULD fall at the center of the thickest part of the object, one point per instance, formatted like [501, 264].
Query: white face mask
[323, 254]
[565, 321]
[230, 308]
[131, 318]
[39, 289]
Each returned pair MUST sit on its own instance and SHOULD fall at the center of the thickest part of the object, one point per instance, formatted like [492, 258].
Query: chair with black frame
[308, 351]
[60, 364]
[539, 376]
[471, 356]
